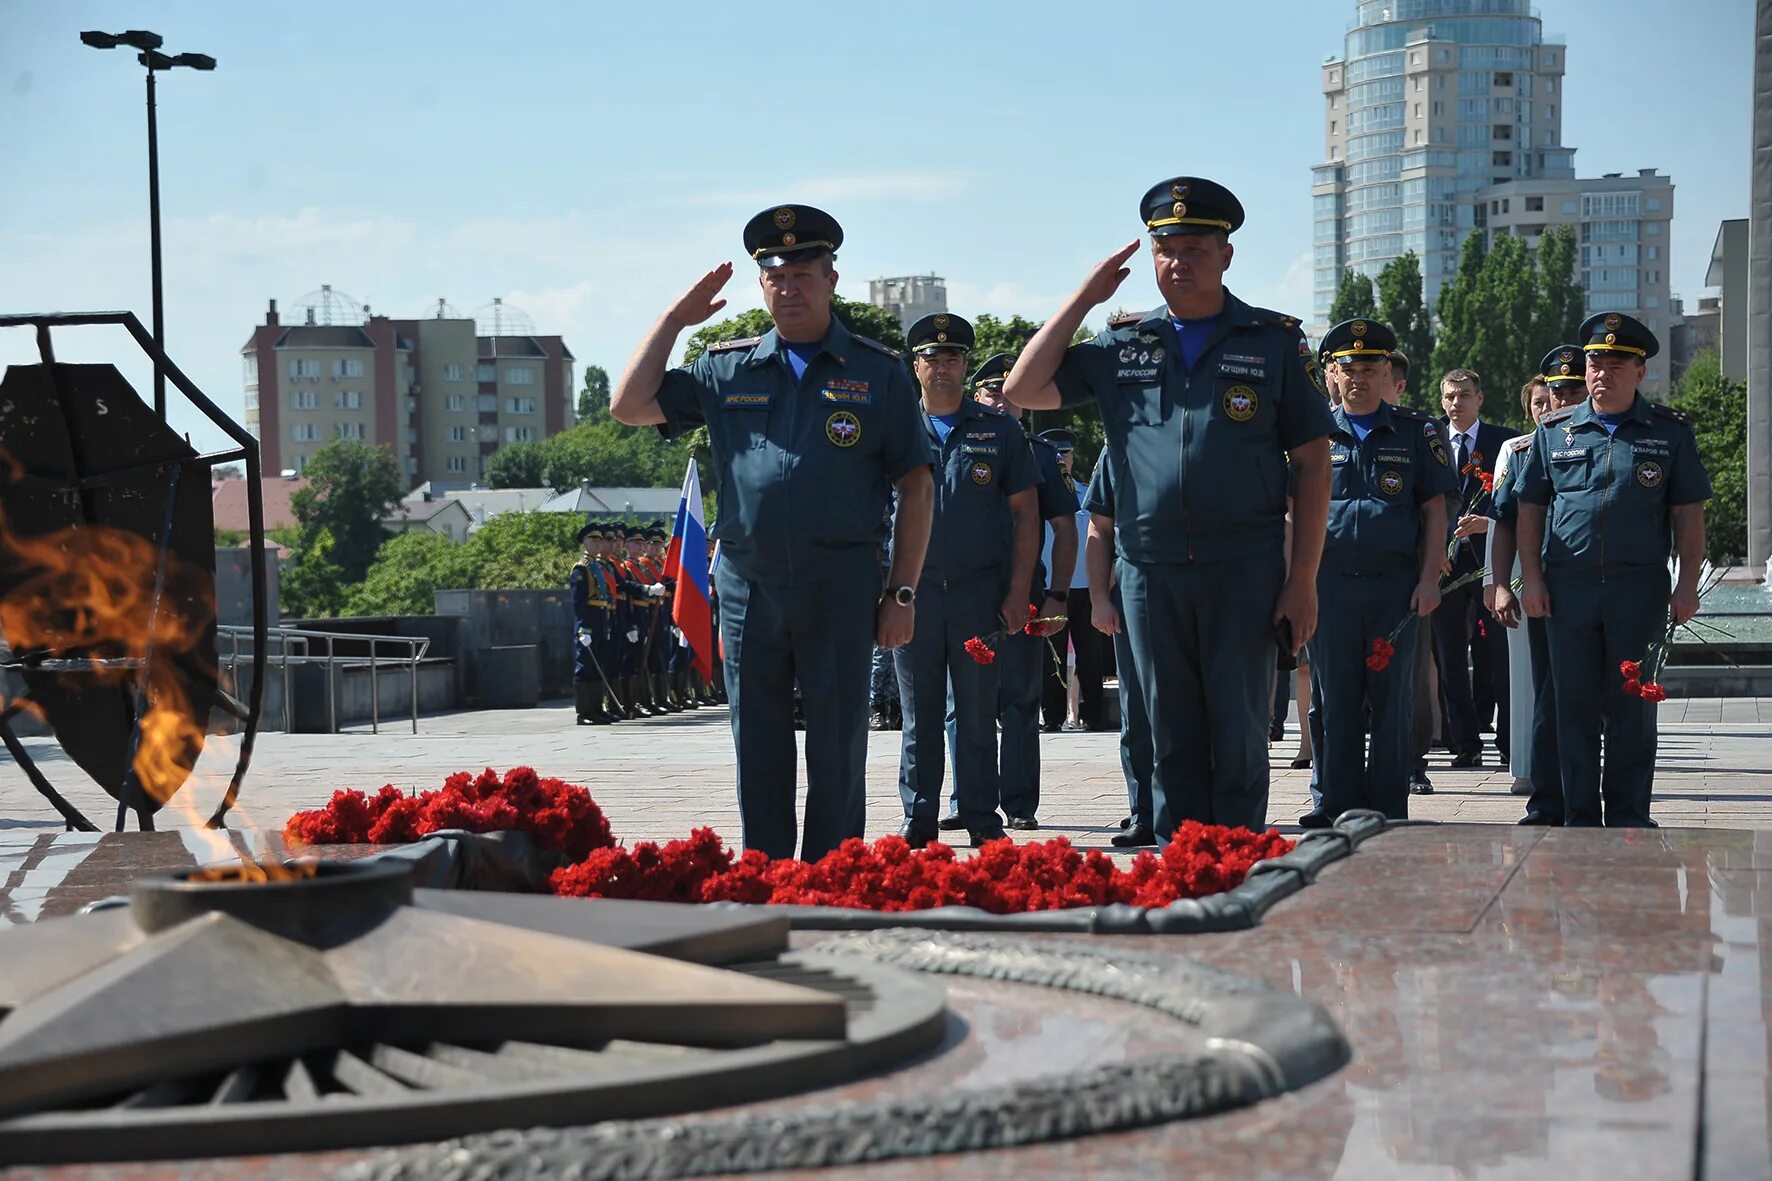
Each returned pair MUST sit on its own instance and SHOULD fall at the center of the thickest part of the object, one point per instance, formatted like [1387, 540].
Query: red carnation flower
[980, 651]
[1633, 689]
[1652, 692]
[1631, 669]
[1379, 658]
[1488, 481]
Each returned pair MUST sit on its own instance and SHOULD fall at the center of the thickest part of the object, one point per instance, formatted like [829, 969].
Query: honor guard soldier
[975, 584]
[1205, 401]
[1390, 476]
[659, 637]
[592, 602]
[1020, 657]
[1620, 481]
[811, 429]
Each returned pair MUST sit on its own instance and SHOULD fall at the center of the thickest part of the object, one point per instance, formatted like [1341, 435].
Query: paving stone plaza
[1518, 1002]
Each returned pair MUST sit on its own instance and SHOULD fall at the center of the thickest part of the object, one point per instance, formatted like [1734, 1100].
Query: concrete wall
[494, 622]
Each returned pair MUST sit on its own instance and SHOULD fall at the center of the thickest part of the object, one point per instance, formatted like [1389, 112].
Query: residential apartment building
[443, 395]
[1430, 103]
[909, 297]
[1622, 226]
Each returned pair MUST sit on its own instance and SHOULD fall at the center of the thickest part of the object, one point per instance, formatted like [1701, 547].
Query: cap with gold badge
[941, 330]
[1615, 332]
[1564, 365]
[994, 371]
[791, 233]
[1190, 205]
[1357, 340]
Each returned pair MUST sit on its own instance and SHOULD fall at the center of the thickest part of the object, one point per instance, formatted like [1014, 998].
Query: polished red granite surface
[1521, 1003]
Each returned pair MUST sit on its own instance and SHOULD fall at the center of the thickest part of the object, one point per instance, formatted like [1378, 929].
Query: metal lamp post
[151, 57]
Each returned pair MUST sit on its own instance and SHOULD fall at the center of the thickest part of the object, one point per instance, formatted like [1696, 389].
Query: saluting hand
[698, 303]
[1108, 274]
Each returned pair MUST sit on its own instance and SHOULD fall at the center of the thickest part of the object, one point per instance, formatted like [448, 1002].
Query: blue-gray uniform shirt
[1201, 451]
[1098, 498]
[1377, 487]
[984, 461]
[803, 469]
[1610, 493]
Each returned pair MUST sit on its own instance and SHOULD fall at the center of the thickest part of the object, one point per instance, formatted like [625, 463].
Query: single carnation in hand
[1652, 692]
[980, 651]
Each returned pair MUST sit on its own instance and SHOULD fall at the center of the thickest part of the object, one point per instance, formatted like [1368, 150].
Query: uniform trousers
[1595, 625]
[820, 634]
[1202, 646]
[1545, 769]
[950, 612]
[1348, 697]
[1135, 729]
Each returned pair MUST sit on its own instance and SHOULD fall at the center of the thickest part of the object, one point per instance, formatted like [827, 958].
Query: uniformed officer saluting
[975, 583]
[1619, 477]
[811, 428]
[1390, 476]
[1203, 401]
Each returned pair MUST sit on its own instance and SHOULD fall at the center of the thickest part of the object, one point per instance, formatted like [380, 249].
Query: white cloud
[902, 186]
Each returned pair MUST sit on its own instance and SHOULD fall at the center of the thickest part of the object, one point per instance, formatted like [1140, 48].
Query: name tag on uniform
[1395, 457]
[848, 391]
[1138, 373]
[1577, 453]
[1654, 445]
[979, 448]
[1252, 368]
[739, 400]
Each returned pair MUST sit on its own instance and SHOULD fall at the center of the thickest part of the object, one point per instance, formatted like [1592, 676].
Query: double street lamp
[155, 61]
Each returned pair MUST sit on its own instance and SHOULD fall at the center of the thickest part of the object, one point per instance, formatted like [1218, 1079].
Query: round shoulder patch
[843, 429]
[1241, 403]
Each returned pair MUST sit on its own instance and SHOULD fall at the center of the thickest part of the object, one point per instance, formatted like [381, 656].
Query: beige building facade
[436, 391]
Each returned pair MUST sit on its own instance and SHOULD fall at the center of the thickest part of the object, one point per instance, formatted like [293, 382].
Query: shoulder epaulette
[581, 564]
[1411, 413]
[1667, 411]
[877, 346]
[1280, 320]
[727, 346]
[1124, 319]
[992, 411]
[1557, 415]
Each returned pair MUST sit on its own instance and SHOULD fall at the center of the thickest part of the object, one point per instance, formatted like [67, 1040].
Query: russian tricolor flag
[690, 610]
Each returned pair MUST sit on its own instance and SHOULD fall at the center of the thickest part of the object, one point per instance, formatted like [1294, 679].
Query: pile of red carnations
[561, 817]
[888, 875]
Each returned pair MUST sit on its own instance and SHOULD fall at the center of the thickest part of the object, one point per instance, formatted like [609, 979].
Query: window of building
[305, 432]
[455, 402]
[307, 368]
[1334, 100]
[486, 372]
[1418, 110]
[519, 405]
[1439, 108]
[1654, 254]
[1334, 127]
[1417, 86]
[299, 463]
[520, 375]
[1503, 160]
[348, 400]
[1504, 79]
[349, 430]
[457, 464]
[1652, 301]
[1550, 84]
[251, 360]
[1504, 131]
[1334, 74]
[1415, 57]
[519, 434]
[1445, 55]
[303, 400]
[1653, 229]
[347, 367]
[458, 434]
[1534, 204]
[1334, 153]
[411, 375]
[452, 373]
[252, 399]
[1418, 137]
[1652, 204]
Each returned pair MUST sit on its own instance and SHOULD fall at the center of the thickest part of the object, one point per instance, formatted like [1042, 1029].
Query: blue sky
[587, 161]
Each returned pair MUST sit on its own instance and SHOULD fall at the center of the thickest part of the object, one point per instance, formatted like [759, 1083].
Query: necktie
[1461, 452]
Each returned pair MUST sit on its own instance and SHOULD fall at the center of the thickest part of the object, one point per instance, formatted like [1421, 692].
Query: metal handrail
[295, 646]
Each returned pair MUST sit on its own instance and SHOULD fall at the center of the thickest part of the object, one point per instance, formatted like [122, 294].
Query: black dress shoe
[984, 836]
[1301, 762]
[1467, 760]
[1026, 823]
[1275, 733]
[1315, 819]
[918, 837]
[1134, 837]
[1420, 784]
[950, 823]
[1537, 820]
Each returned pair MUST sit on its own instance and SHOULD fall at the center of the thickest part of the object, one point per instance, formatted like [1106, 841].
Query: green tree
[1716, 408]
[1455, 346]
[351, 487]
[526, 551]
[604, 453]
[593, 397]
[518, 465]
[992, 335]
[408, 569]
[311, 584]
[1353, 299]
[1402, 309]
[1560, 308]
[1505, 351]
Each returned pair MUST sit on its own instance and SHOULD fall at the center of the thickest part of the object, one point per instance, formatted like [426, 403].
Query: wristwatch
[904, 596]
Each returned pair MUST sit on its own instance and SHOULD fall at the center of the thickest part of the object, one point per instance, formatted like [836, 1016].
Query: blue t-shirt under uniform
[1194, 335]
[944, 424]
[1611, 421]
[1361, 424]
[800, 355]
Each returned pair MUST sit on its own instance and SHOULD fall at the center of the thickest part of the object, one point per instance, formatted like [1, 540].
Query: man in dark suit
[1462, 618]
